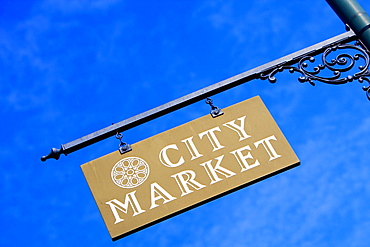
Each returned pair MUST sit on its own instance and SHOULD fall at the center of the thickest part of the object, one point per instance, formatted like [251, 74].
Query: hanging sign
[186, 166]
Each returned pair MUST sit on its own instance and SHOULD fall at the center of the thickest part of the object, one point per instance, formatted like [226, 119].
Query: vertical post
[352, 14]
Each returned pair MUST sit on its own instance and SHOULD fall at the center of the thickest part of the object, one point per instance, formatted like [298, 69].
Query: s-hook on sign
[186, 166]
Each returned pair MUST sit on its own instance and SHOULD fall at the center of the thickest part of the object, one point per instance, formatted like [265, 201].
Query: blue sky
[69, 68]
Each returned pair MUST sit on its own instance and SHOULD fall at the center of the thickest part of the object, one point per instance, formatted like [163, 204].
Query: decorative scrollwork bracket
[332, 70]
[340, 64]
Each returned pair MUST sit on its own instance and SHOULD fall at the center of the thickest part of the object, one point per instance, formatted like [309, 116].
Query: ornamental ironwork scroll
[340, 64]
[343, 59]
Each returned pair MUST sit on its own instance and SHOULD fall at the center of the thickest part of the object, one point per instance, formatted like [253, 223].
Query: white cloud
[77, 6]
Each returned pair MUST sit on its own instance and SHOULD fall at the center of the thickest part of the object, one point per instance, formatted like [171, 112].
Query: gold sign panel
[186, 166]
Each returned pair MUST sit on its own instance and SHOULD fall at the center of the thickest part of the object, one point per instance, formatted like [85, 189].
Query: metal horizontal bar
[197, 96]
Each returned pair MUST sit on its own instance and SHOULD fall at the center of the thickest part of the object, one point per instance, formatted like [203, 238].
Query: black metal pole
[197, 96]
[353, 15]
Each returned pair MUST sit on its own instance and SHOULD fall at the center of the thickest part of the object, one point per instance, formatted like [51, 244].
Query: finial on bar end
[54, 153]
